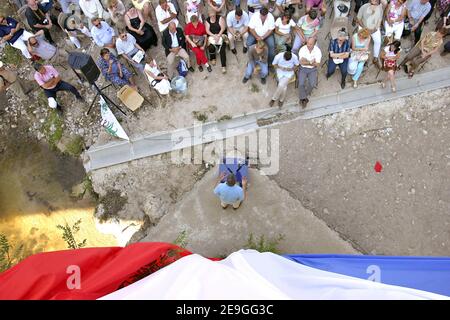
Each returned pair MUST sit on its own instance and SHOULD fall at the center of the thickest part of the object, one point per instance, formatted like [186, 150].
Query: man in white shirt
[127, 46]
[310, 56]
[237, 24]
[93, 9]
[261, 27]
[165, 13]
[103, 35]
[285, 63]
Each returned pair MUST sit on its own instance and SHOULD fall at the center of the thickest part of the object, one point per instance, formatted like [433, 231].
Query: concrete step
[161, 142]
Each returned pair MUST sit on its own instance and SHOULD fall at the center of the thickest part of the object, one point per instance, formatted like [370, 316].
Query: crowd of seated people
[278, 37]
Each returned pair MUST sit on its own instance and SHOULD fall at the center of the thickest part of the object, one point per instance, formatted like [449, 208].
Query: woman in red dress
[196, 37]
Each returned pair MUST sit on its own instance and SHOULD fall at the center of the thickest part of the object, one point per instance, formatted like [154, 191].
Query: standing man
[257, 55]
[237, 23]
[50, 81]
[174, 43]
[310, 56]
[417, 11]
[39, 19]
[286, 64]
[229, 192]
[165, 13]
[261, 27]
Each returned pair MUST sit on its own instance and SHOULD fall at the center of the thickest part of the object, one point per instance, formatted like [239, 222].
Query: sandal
[410, 75]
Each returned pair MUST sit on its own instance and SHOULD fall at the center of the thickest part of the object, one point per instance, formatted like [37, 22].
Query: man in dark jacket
[39, 18]
[174, 43]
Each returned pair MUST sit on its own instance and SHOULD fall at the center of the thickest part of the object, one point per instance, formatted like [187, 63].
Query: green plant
[52, 128]
[254, 88]
[262, 245]
[75, 146]
[200, 116]
[87, 186]
[8, 256]
[181, 240]
[11, 56]
[224, 118]
[69, 235]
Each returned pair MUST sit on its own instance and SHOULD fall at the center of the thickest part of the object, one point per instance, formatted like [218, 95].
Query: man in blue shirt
[229, 192]
[417, 11]
[11, 32]
[339, 54]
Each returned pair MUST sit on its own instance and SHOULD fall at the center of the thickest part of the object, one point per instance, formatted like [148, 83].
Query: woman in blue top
[113, 70]
[359, 55]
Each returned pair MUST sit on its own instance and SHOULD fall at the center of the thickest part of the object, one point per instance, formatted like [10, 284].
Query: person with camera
[39, 18]
[237, 23]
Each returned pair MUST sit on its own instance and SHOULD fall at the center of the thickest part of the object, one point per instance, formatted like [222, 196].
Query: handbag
[156, 81]
[338, 61]
[198, 40]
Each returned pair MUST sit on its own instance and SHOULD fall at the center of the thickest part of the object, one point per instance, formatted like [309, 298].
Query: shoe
[383, 85]
[244, 49]
[271, 103]
[209, 68]
[200, 68]
[191, 69]
[81, 99]
[444, 53]
[244, 80]
[234, 51]
[280, 104]
[263, 80]
[328, 76]
[343, 84]
[224, 70]
[355, 84]
[394, 89]
[213, 62]
[304, 103]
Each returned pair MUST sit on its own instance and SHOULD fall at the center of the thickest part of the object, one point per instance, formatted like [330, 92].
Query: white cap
[52, 103]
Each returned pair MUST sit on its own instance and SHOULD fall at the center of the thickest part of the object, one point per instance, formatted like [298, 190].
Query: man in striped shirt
[339, 54]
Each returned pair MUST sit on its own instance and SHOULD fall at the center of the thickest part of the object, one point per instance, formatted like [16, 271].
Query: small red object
[378, 167]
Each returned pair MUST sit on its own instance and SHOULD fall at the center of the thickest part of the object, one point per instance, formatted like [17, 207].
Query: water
[35, 196]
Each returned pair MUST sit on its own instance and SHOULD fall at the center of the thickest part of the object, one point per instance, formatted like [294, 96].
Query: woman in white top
[390, 55]
[283, 27]
[395, 16]
[92, 9]
[158, 80]
[117, 11]
[193, 8]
